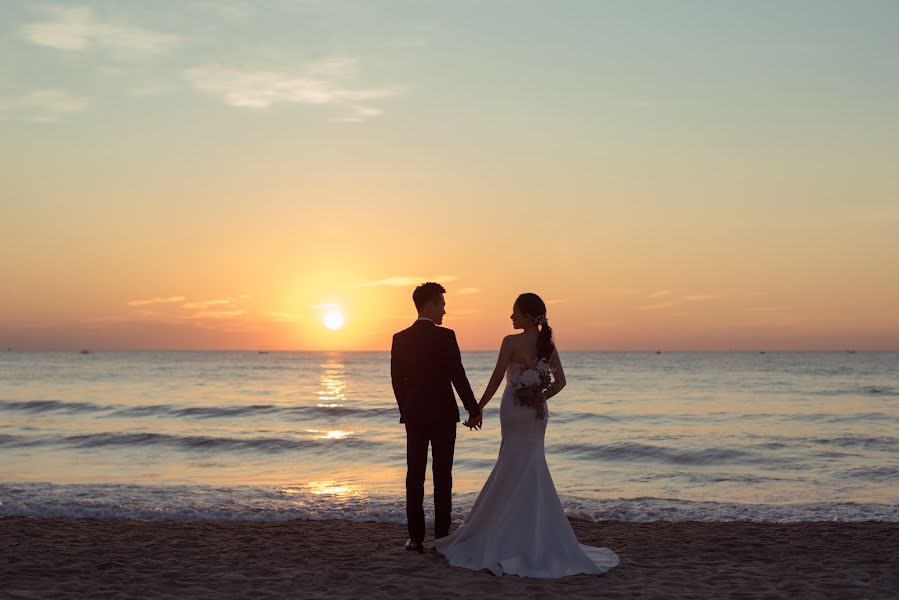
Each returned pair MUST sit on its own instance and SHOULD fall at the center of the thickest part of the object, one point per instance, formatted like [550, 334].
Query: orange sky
[710, 183]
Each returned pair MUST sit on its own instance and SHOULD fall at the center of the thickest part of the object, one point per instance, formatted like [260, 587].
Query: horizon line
[319, 351]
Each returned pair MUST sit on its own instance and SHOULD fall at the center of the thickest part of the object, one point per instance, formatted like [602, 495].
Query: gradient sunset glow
[241, 175]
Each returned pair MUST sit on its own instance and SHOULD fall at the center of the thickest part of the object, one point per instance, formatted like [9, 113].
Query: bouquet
[530, 386]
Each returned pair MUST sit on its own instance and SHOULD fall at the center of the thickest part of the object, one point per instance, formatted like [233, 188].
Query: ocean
[635, 436]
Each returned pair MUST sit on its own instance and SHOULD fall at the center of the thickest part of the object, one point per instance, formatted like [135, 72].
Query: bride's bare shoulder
[513, 340]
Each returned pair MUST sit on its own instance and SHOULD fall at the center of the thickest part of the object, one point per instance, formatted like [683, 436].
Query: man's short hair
[427, 292]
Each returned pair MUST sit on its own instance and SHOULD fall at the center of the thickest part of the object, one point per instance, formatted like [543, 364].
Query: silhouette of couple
[517, 525]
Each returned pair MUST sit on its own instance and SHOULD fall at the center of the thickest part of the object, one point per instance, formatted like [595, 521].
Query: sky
[666, 175]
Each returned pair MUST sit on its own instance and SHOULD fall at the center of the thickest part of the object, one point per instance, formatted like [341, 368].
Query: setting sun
[333, 319]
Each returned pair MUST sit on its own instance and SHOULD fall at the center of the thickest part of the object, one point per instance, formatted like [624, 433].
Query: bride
[517, 524]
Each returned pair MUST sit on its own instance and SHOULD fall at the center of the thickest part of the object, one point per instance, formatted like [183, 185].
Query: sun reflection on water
[333, 382]
[335, 434]
[342, 489]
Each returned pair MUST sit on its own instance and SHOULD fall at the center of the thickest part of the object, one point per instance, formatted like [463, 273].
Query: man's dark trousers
[442, 438]
[425, 366]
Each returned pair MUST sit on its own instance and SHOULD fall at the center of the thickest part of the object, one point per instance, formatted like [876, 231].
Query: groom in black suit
[425, 364]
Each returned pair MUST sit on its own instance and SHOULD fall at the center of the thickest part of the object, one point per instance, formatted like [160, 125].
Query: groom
[425, 364]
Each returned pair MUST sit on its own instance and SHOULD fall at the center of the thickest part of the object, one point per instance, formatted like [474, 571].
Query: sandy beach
[120, 558]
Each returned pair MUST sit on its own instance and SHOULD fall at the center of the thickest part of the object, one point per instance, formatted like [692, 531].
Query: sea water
[634, 436]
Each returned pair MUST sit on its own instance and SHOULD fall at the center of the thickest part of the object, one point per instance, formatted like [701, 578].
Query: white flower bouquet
[530, 386]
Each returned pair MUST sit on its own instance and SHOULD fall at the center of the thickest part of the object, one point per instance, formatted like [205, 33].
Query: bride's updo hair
[531, 306]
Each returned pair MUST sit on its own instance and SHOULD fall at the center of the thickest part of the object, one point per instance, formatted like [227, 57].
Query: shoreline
[200, 502]
[101, 557]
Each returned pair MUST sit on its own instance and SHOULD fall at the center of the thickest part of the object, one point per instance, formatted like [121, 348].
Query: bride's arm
[502, 361]
[555, 366]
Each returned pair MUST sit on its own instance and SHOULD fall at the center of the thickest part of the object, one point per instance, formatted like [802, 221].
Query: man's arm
[397, 377]
[460, 381]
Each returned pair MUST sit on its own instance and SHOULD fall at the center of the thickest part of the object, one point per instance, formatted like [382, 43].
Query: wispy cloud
[208, 303]
[358, 114]
[139, 316]
[221, 314]
[317, 83]
[44, 106]
[209, 319]
[656, 306]
[467, 291]
[659, 294]
[155, 300]
[218, 314]
[560, 301]
[405, 281]
[701, 297]
[78, 28]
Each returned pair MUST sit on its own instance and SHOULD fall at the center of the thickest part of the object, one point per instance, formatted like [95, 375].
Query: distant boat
[851, 351]
[658, 351]
[85, 351]
[762, 352]
[263, 352]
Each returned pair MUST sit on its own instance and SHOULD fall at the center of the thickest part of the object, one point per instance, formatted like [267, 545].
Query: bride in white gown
[517, 524]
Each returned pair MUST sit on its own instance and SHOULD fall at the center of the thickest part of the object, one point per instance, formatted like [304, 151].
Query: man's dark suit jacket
[425, 364]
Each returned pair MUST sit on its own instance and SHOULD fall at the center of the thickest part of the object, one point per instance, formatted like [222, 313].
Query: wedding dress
[517, 524]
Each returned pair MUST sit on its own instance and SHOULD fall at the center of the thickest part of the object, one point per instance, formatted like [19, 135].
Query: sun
[333, 319]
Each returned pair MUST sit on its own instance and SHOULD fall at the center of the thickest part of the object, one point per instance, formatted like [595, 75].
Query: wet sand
[120, 558]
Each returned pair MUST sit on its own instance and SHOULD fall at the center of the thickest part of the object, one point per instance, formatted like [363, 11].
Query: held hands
[475, 419]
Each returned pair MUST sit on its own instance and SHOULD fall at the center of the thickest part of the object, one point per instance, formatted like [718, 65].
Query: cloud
[404, 281]
[358, 114]
[77, 28]
[155, 300]
[659, 294]
[207, 303]
[44, 106]
[556, 301]
[656, 306]
[218, 314]
[701, 297]
[317, 83]
[467, 291]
